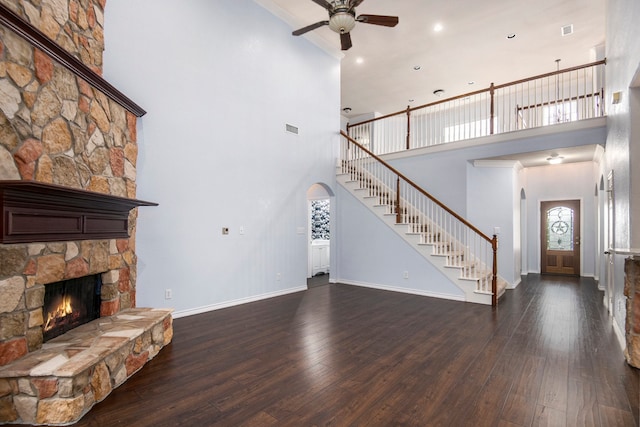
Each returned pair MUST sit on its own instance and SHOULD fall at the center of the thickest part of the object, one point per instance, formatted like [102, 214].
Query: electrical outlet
[241, 230]
[405, 275]
[168, 294]
[278, 276]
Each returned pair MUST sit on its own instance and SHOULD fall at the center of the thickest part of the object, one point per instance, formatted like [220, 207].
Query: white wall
[623, 152]
[572, 181]
[493, 200]
[370, 253]
[219, 81]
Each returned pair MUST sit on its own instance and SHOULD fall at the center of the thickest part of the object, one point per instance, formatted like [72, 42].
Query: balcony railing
[561, 96]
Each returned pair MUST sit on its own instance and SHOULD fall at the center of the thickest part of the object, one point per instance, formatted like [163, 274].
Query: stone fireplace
[69, 304]
[63, 126]
[632, 325]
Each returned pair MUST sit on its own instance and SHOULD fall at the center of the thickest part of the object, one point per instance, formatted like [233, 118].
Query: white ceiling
[582, 153]
[472, 46]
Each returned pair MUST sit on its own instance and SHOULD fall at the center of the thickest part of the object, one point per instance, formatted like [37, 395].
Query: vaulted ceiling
[390, 68]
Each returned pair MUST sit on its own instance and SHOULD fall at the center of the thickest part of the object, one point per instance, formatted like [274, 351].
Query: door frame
[581, 224]
[610, 214]
[319, 191]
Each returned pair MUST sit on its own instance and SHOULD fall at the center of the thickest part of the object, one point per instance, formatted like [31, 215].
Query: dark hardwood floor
[340, 355]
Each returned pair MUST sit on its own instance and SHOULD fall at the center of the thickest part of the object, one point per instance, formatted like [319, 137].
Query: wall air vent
[292, 129]
[566, 30]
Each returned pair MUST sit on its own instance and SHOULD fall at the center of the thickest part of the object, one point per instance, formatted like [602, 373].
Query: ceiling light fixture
[438, 27]
[417, 67]
[342, 21]
[438, 92]
[359, 60]
[471, 83]
[511, 36]
[555, 159]
[346, 110]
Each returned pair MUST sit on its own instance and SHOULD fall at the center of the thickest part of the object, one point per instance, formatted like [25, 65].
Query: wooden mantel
[37, 212]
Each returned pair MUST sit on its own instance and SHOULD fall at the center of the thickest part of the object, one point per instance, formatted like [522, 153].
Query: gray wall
[623, 139]
[219, 81]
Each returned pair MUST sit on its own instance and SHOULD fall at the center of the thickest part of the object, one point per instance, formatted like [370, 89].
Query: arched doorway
[319, 236]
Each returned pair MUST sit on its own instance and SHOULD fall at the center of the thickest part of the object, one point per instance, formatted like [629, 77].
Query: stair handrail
[400, 175]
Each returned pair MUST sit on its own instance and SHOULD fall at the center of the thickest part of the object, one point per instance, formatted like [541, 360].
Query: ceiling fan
[342, 19]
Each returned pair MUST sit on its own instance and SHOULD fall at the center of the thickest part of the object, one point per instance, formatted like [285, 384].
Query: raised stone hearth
[59, 383]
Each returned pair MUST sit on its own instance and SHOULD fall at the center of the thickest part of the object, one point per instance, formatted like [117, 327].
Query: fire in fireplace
[69, 304]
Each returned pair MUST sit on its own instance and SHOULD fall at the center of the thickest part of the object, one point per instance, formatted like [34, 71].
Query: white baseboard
[404, 290]
[226, 304]
[515, 284]
[620, 335]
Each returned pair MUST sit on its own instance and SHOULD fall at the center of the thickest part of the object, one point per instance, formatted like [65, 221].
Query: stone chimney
[56, 128]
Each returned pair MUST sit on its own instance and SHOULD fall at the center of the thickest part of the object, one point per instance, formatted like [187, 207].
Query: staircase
[456, 248]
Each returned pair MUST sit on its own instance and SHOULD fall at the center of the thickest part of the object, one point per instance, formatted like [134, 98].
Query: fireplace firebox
[70, 303]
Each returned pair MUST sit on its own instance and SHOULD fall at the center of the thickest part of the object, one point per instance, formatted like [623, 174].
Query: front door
[560, 237]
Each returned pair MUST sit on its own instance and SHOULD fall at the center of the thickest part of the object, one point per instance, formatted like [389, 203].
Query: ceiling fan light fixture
[342, 22]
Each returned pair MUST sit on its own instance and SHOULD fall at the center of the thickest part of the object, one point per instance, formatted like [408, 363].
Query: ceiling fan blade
[345, 41]
[387, 21]
[355, 3]
[323, 3]
[309, 28]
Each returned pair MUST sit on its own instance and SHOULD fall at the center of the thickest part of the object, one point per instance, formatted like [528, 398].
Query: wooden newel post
[494, 276]
[398, 215]
[408, 127]
[492, 91]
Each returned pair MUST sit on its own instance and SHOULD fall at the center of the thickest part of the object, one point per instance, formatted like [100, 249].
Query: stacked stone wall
[632, 326]
[55, 128]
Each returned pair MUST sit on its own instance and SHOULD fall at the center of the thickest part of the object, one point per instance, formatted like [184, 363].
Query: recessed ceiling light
[555, 159]
[411, 100]
[511, 36]
[471, 83]
[438, 92]
[359, 60]
[417, 67]
[346, 109]
[438, 27]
